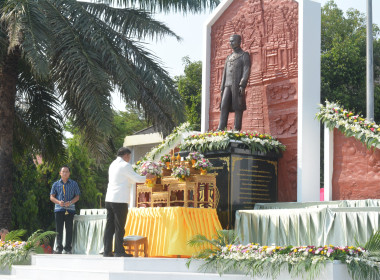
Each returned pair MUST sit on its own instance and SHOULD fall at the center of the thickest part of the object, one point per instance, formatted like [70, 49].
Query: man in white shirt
[121, 176]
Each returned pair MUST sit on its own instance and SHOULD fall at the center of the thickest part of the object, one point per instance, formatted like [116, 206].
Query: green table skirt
[88, 232]
[307, 226]
[319, 204]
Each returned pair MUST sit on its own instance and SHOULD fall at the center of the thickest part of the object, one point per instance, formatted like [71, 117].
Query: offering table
[168, 229]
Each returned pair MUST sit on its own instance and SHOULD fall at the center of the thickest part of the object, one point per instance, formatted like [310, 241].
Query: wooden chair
[135, 241]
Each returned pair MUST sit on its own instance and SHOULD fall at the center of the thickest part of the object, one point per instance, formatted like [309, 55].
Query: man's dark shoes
[123, 255]
[67, 252]
[110, 254]
[57, 252]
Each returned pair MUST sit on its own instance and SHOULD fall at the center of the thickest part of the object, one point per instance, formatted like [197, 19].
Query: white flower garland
[219, 140]
[334, 115]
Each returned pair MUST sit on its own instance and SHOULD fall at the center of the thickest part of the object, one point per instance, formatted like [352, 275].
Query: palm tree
[74, 54]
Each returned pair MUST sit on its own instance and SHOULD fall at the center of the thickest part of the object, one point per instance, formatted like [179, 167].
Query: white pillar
[328, 163]
[206, 79]
[308, 141]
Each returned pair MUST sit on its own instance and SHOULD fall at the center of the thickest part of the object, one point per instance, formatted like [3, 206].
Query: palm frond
[38, 122]
[200, 240]
[139, 78]
[35, 37]
[132, 23]
[88, 49]
[78, 71]
[184, 6]
[359, 270]
[226, 237]
[373, 243]
[15, 235]
[39, 237]
[12, 13]
[220, 240]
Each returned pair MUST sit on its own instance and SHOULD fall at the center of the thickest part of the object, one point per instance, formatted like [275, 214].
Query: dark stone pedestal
[243, 179]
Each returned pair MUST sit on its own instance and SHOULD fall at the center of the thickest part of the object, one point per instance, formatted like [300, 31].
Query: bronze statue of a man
[235, 78]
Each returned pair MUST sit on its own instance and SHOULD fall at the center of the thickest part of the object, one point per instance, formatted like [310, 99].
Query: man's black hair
[65, 166]
[123, 151]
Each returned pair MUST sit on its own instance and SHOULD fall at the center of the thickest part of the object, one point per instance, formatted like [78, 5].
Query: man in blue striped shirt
[64, 193]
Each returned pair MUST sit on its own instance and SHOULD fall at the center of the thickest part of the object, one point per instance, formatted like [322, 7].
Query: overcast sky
[190, 28]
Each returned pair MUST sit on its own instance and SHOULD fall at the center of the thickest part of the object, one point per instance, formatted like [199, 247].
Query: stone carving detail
[286, 124]
[356, 169]
[281, 92]
[256, 104]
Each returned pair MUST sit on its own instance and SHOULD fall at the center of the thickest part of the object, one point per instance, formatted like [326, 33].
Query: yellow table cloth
[168, 229]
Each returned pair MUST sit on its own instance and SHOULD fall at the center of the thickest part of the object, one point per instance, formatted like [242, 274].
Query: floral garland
[268, 261]
[220, 140]
[155, 152]
[175, 135]
[334, 115]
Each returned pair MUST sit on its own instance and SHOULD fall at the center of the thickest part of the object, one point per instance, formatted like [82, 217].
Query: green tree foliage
[31, 206]
[25, 201]
[82, 170]
[79, 52]
[190, 87]
[343, 58]
[126, 123]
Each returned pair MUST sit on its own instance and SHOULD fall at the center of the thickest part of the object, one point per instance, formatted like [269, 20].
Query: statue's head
[235, 41]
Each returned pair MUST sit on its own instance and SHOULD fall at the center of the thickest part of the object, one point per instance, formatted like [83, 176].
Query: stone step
[91, 262]
[7, 277]
[83, 267]
[39, 273]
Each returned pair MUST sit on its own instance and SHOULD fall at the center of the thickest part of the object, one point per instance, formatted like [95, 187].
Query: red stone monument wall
[269, 30]
[356, 169]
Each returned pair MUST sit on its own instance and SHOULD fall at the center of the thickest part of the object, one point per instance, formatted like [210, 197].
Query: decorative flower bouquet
[150, 167]
[181, 172]
[204, 165]
[193, 157]
[165, 159]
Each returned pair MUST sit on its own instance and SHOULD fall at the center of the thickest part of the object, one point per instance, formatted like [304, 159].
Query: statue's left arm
[246, 70]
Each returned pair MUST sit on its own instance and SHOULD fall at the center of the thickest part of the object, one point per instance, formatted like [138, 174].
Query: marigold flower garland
[350, 124]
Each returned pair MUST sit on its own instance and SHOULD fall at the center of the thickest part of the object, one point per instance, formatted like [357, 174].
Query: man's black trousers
[67, 220]
[116, 218]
